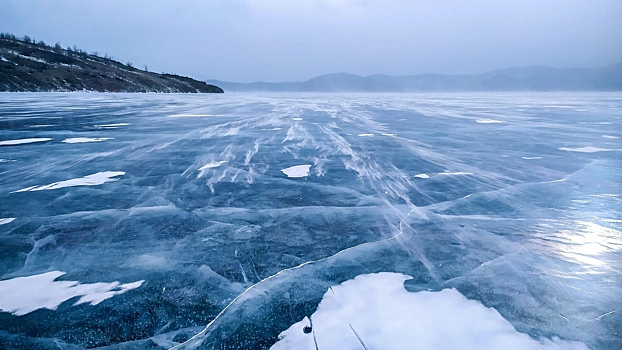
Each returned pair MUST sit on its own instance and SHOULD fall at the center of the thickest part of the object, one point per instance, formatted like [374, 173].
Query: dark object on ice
[29, 66]
[307, 329]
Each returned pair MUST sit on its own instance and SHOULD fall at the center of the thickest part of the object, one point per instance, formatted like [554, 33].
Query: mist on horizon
[246, 41]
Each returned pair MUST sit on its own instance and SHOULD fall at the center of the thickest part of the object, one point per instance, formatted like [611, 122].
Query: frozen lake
[293, 221]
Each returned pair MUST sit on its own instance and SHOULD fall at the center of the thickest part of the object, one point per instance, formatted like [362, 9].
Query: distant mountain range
[30, 66]
[514, 79]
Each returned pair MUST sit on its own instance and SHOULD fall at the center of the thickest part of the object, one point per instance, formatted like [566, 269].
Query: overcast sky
[290, 40]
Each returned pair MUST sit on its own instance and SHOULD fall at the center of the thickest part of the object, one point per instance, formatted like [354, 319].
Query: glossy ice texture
[221, 221]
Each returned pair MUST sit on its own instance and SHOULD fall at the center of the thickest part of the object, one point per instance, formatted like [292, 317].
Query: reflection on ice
[23, 295]
[89, 180]
[376, 312]
[583, 243]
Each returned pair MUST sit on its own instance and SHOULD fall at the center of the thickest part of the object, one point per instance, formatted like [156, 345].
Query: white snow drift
[297, 170]
[23, 295]
[23, 141]
[376, 312]
[86, 139]
[89, 180]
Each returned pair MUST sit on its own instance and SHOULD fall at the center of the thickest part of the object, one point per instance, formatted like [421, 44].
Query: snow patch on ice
[366, 135]
[530, 158]
[113, 126]
[89, 180]
[609, 137]
[23, 141]
[376, 312]
[191, 115]
[422, 176]
[588, 149]
[455, 173]
[297, 170]
[488, 121]
[387, 134]
[297, 119]
[213, 165]
[6, 221]
[86, 139]
[23, 295]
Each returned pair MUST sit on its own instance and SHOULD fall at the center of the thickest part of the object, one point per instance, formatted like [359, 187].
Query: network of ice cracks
[327, 221]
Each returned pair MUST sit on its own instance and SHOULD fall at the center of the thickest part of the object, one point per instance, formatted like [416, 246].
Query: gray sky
[288, 40]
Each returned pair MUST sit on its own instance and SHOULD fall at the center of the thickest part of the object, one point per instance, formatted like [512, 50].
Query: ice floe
[366, 135]
[23, 141]
[6, 221]
[297, 171]
[213, 165]
[531, 158]
[588, 149]
[297, 119]
[86, 139]
[422, 176]
[376, 312]
[23, 295]
[488, 121]
[609, 137]
[89, 180]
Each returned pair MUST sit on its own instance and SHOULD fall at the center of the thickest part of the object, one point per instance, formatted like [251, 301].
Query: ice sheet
[23, 141]
[23, 295]
[376, 312]
[588, 149]
[89, 180]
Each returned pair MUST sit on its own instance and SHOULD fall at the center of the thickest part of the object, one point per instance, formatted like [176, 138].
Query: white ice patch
[387, 134]
[297, 119]
[23, 141]
[588, 149]
[191, 115]
[488, 121]
[86, 139]
[530, 158]
[376, 312]
[213, 165]
[113, 126]
[366, 135]
[6, 221]
[297, 171]
[422, 176]
[609, 137]
[89, 180]
[23, 295]
[456, 173]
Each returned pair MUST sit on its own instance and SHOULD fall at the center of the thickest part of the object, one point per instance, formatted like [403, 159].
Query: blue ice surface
[521, 210]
